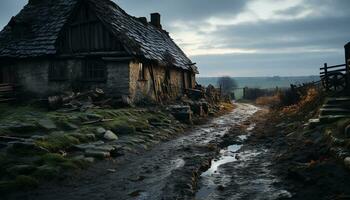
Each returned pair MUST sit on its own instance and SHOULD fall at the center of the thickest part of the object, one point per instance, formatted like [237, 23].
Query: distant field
[261, 82]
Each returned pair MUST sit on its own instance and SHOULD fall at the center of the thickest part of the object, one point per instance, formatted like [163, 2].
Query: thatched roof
[43, 20]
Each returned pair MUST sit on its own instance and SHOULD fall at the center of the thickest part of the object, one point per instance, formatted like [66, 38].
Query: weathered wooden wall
[140, 89]
[86, 33]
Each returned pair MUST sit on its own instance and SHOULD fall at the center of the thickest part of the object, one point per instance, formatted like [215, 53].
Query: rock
[109, 135]
[97, 154]
[347, 162]
[100, 131]
[38, 137]
[347, 131]
[47, 124]
[111, 170]
[89, 159]
[107, 148]
[85, 159]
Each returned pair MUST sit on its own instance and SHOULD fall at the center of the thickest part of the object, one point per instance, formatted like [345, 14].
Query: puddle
[242, 173]
[227, 156]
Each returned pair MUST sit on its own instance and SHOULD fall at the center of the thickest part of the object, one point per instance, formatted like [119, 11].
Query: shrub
[308, 103]
[271, 101]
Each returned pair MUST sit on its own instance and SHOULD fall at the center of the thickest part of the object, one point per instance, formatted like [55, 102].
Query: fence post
[325, 75]
[347, 73]
[244, 92]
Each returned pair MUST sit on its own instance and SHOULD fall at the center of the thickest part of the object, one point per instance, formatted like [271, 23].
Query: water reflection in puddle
[221, 174]
[227, 157]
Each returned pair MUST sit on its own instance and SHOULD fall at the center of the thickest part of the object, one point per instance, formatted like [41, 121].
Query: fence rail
[335, 78]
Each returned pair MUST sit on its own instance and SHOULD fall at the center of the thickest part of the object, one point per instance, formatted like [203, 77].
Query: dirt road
[177, 169]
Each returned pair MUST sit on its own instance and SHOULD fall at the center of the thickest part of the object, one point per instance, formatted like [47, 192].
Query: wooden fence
[335, 77]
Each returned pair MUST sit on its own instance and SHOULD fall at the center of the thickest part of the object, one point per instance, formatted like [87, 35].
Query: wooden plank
[338, 70]
[334, 66]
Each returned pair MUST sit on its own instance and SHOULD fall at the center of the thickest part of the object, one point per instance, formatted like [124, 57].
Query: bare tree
[227, 84]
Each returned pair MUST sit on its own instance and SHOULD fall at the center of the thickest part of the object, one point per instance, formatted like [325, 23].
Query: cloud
[246, 34]
[9, 8]
[187, 10]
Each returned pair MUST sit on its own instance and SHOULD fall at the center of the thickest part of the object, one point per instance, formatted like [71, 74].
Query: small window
[58, 71]
[94, 71]
[142, 72]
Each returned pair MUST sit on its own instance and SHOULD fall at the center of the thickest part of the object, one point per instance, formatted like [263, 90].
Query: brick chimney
[155, 20]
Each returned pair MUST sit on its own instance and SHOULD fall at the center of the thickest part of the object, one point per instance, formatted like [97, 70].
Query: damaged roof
[43, 20]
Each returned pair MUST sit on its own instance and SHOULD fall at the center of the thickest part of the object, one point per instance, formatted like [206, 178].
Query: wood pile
[71, 101]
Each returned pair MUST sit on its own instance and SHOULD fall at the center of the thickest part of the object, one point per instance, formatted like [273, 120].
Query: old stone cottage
[58, 45]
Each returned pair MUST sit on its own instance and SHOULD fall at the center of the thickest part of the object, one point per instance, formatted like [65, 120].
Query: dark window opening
[142, 72]
[58, 71]
[94, 71]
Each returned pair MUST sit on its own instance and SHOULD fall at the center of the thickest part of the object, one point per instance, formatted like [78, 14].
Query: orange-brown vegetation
[306, 105]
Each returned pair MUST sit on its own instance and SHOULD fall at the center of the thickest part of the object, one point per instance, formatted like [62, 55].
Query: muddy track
[171, 169]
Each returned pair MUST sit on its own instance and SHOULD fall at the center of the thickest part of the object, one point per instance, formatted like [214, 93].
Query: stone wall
[33, 76]
[122, 79]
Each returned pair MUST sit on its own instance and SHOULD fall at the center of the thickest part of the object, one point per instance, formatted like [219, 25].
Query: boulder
[109, 135]
[47, 124]
[182, 113]
[100, 131]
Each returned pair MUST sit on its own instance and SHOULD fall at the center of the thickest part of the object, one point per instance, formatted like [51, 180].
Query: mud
[241, 155]
[168, 171]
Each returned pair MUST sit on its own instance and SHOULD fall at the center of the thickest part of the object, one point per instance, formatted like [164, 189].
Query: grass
[25, 170]
[58, 141]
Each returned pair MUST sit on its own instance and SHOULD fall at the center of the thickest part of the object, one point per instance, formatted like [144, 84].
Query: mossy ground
[25, 169]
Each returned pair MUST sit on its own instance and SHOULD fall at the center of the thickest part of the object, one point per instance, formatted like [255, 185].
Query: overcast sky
[246, 37]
